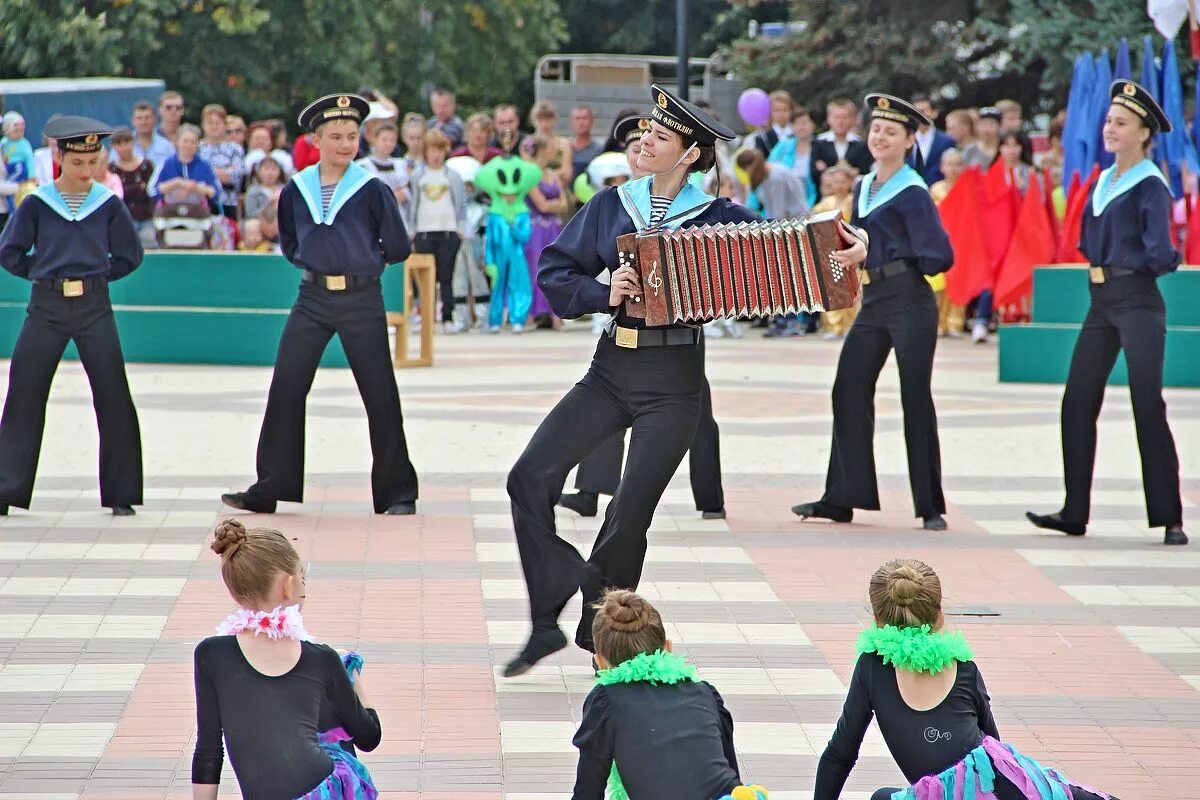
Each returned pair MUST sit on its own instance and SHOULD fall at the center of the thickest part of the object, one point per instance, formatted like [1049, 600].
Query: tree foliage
[968, 52]
[648, 28]
[269, 57]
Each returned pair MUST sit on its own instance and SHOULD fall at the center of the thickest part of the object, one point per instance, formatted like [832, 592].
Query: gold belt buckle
[627, 337]
[1096, 274]
[335, 283]
[72, 288]
[864, 277]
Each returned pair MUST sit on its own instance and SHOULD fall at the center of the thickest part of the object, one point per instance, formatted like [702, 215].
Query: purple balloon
[754, 106]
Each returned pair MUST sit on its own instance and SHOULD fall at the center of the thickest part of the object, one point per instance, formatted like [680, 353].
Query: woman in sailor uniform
[1126, 236]
[899, 311]
[648, 379]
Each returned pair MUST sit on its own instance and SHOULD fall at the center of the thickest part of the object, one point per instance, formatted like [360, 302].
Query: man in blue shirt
[147, 142]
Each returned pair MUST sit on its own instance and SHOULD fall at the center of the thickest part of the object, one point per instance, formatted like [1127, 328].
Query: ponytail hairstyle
[906, 593]
[626, 625]
[252, 560]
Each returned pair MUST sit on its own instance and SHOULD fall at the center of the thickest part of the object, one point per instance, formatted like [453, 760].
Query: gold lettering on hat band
[667, 121]
[1131, 104]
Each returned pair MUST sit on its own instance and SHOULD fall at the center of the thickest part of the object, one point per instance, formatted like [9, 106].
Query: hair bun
[228, 538]
[905, 584]
[627, 611]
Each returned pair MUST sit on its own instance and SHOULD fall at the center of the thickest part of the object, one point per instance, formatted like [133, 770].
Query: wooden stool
[421, 270]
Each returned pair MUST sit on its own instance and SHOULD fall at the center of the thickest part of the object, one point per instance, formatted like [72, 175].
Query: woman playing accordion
[648, 378]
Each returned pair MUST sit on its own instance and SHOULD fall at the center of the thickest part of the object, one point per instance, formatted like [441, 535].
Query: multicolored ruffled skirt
[974, 778]
[350, 779]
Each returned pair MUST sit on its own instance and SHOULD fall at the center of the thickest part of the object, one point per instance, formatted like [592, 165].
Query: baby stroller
[183, 221]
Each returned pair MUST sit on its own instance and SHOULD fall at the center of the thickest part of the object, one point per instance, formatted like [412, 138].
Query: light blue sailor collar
[48, 193]
[905, 177]
[308, 181]
[1106, 191]
[688, 204]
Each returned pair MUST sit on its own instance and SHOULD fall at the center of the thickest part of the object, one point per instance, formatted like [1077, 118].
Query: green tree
[268, 57]
[648, 28]
[968, 52]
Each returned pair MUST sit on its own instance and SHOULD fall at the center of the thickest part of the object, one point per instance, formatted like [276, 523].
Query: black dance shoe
[123, 511]
[538, 647]
[1175, 535]
[935, 523]
[404, 509]
[1055, 522]
[582, 503]
[717, 514]
[244, 501]
[3, 511]
[821, 510]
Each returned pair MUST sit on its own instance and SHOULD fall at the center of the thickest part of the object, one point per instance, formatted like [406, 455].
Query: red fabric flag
[1191, 253]
[1000, 204]
[961, 212]
[1032, 245]
[1068, 246]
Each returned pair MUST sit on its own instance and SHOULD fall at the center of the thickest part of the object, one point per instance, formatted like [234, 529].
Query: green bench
[1040, 351]
[198, 307]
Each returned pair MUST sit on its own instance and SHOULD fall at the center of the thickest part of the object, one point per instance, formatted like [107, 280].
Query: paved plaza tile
[1090, 647]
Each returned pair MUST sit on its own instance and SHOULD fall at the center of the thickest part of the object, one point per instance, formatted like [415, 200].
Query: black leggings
[444, 247]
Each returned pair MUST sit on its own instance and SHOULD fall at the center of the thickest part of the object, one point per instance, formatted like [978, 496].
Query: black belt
[893, 269]
[72, 287]
[633, 338]
[337, 283]
[1101, 274]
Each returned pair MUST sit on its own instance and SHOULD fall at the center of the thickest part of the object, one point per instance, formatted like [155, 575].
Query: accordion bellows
[738, 270]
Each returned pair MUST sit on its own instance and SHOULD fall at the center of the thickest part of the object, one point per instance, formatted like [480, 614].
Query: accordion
[747, 269]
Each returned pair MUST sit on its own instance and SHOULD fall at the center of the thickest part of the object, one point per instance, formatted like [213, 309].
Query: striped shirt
[658, 209]
[327, 191]
[74, 200]
[873, 191]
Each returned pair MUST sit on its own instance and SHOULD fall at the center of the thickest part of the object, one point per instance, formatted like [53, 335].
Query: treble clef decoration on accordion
[739, 270]
[654, 279]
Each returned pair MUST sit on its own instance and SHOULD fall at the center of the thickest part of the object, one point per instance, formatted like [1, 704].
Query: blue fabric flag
[1074, 147]
[1097, 110]
[1122, 70]
[1149, 74]
[1177, 147]
[1151, 78]
[1196, 117]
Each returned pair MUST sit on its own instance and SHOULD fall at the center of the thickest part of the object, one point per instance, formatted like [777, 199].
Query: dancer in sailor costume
[1126, 235]
[899, 311]
[340, 226]
[648, 379]
[71, 238]
[600, 472]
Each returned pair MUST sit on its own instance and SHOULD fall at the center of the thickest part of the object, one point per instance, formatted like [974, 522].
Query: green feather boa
[915, 649]
[659, 667]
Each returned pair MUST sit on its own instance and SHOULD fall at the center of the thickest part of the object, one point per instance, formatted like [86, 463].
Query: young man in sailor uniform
[71, 238]
[340, 226]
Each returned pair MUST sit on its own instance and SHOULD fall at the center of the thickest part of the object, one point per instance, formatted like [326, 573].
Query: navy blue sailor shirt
[904, 226]
[1133, 228]
[568, 267]
[45, 240]
[360, 233]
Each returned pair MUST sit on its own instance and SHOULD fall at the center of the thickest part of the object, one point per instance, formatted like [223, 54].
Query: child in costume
[947, 745]
[641, 686]
[271, 691]
[507, 180]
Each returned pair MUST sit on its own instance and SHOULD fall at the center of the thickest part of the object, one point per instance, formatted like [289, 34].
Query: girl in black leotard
[920, 683]
[266, 688]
